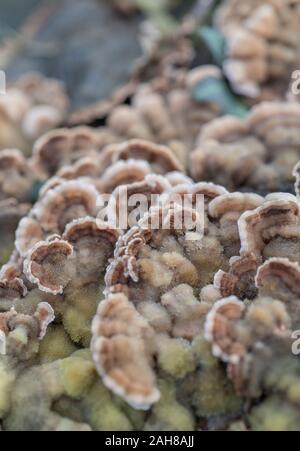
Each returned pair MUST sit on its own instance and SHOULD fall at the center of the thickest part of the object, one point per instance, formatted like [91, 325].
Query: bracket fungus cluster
[32, 105]
[160, 272]
[166, 112]
[17, 328]
[262, 46]
[181, 316]
[257, 153]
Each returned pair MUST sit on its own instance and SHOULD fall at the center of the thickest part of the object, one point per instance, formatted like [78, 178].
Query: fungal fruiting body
[182, 316]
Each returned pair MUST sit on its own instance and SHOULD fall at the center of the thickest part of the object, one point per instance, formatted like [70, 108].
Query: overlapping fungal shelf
[262, 46]
[135, 327]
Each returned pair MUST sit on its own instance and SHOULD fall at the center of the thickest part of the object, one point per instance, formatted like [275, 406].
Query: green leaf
[215, 42]
[217, 91]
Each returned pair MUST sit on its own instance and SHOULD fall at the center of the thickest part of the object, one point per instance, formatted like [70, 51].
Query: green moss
[7, 379]
[84, 354]
[136, 417]
[176, 357]
[293, 391]
[285, 378]
[275, 415]
[80, 308]
[38, 389]
[69, 408]
[56, 345]
[77, 376]
[203, 354]
[101, 411]
[77, 327]
[168, 414]
[214, 394]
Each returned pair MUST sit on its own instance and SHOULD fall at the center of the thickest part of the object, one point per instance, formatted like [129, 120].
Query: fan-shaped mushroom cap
[51, 183]
[89, 227]
[235, 70]
[273, 217]
[16, 179]
[224, 129]
[78, 258]
[59, 203]
[32, 105]
[178, 178]
[84, 167]
[263, 333]
[12, 158]
[226, 153]
[128, 122]
[218, 329]
[39, 120]
[281, 268]
[279, 279]
[296, 173]
[158, 254]
[261, 45]
[11, 282]
[45, 316]
[152, 184]
[225, 211]
[43, 91]
[257, 153]
[130, 202]
[275, 123]
[208, 190]
[121, 348]
[164, 110]
[240, 278]
[28, 233]
[68, 201]
[93, 244]
[34, 326]
[234, 203]
[124, 173]
[45, 265]
[160, 158]
[62, 146]
[15, 104]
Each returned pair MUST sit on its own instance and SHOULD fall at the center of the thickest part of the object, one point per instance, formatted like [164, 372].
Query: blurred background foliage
[93, 45]
[165, 13]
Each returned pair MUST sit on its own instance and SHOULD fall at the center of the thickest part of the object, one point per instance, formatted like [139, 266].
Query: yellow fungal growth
[56, 345]
[103, 413]
[7, 379]
[150, 261]
[274, 415]
[213, 393]
[175, 357]
[37, 389]
[203, 354]
[79, 309]
[168, 414]
[77, 376]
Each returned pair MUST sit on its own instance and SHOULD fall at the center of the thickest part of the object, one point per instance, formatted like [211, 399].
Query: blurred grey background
[13, 13]
[81, 42]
